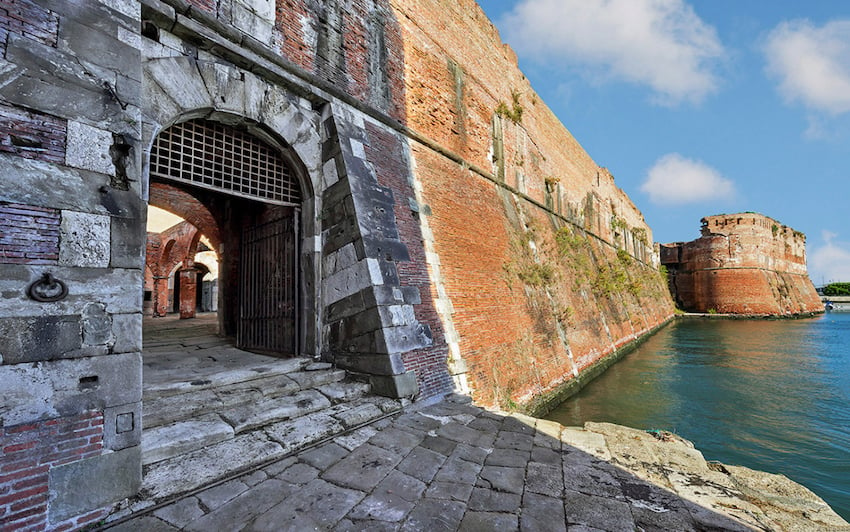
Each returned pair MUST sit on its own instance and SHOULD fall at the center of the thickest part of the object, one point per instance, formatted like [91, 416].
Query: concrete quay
[456, 466]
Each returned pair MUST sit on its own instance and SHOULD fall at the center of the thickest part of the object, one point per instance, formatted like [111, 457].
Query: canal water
[772, 395]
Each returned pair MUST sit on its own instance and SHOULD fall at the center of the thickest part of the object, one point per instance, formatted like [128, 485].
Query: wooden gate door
[267, 288]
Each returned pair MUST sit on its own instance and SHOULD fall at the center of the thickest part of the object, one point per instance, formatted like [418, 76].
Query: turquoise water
[769, 395]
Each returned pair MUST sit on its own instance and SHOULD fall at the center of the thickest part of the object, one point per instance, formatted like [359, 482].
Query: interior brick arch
[178, 201]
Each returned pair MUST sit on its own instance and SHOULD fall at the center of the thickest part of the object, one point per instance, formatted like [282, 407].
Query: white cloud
[812, 64]
[830, 261]
[659, 43]
[677, 179]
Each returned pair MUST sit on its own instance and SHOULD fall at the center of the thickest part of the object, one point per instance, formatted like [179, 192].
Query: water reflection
[771, 395]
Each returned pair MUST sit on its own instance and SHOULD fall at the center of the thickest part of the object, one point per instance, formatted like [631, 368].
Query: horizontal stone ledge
[51, 389]
[370, 363]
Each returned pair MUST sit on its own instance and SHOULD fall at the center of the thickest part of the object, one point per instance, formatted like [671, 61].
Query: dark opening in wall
[150, 30]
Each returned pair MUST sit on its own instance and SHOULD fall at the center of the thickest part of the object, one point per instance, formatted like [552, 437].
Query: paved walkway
[454, 466]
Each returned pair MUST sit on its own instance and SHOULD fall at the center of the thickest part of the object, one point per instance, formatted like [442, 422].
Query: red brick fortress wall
[29, 451]
[542, 267]
[742, 264]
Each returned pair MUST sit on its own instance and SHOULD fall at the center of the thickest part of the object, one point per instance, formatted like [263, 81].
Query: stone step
[213, 416]
[202, 466]
[186, 472]
[338, 392]
[162, 383]
[249, 416]
[165, 409]
[168, 441]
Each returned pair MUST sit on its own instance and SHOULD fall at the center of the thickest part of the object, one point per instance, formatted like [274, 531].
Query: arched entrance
[242, 193]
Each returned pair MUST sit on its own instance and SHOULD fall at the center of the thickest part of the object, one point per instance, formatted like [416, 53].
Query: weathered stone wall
[70, 208]
[357, 309]
[742, 264]
[541, 267]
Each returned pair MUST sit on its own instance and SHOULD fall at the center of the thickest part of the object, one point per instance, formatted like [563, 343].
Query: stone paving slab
[454, 466]
[212, 376]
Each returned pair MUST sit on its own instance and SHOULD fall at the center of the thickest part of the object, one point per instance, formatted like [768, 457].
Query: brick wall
[164, 251]
[386, 152]
[28, 453]
[29, 20]
[742, 264]
[530, 313]
[356, 45]
[441, 69]
[186, 206]
[32, 135]
[28, 234]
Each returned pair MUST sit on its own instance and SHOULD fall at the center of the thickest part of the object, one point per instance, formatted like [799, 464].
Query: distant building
[742, 264]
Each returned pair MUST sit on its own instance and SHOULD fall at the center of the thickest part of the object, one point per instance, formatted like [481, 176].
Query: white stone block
[400, 314]
[84, 240]
[375, 271]
[88, 148]
[347, 282]
[131, 38]
[130, 8]
[263, 8]
[358, 149]
[247, 20]
[329, 173]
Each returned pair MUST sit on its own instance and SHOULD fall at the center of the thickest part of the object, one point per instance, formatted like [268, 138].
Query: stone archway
[182, 89]
[226, 178]
[355, 310]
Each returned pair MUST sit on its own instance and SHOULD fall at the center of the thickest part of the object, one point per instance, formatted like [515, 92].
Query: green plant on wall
[564, 314]
[512, 112]
[509, 368]
[610, 279]
[574, 252]
[568, 242]
[536, 273]
[618, 224]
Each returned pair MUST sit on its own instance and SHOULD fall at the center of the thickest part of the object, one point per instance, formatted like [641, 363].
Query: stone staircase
[211, 411]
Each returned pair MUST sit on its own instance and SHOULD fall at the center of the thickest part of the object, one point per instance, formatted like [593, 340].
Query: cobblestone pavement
[454, 466]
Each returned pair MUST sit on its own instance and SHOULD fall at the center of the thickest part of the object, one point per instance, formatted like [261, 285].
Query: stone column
[188, 278]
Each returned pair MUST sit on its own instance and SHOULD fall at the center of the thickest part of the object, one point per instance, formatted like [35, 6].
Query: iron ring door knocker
[47, 289]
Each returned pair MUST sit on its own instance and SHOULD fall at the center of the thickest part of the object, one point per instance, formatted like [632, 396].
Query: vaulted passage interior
[240, 193]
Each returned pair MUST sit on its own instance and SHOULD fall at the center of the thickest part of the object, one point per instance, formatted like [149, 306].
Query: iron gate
[267, 287]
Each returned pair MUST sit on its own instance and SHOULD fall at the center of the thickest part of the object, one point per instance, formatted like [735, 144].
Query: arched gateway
[214, 162]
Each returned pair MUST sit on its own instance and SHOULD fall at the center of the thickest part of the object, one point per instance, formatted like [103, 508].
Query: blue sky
[703, 107]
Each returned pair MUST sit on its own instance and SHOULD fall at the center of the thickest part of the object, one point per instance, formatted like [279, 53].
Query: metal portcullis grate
[221, 157]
